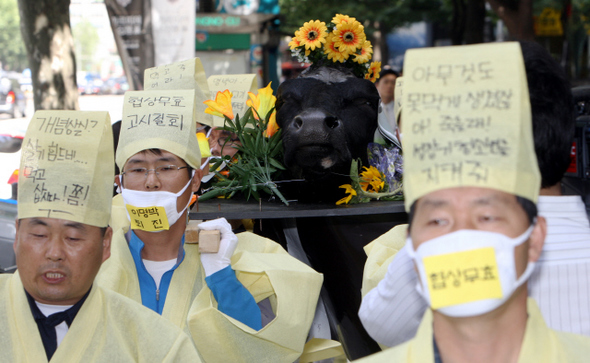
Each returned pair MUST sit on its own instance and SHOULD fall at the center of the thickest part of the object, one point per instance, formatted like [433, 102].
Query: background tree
[85, 39]
[12, 50]
[46, 32]
[517, 15]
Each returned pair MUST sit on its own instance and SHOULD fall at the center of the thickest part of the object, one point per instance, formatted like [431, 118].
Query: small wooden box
[208, 240]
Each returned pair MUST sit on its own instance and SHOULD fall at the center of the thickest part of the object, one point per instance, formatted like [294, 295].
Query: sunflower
[332, 52]
[365, 53]
[339, 18]
[350, 36]
[221, 106]
[294, 43]
[350, 191]
[312, 34]
[373, 178]
[373, 72]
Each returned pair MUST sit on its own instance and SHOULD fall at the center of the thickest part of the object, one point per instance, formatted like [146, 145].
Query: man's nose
[55, 248]
[152, 182]
[216, 150]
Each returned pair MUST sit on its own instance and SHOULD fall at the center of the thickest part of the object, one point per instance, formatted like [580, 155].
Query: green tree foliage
[379, 17]
[86, 40]
[12, 50]
[371, 13]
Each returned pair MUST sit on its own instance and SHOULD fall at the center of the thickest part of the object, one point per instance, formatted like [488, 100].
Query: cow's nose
[332, 122]
[298, 122]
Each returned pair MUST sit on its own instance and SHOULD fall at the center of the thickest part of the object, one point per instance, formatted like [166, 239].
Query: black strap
[46, 325]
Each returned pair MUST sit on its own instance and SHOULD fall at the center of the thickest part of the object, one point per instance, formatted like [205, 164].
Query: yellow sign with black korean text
[466, 121]
[67, 167]
[463, 277]
[184, 75]
[239, 85]
[150, 219]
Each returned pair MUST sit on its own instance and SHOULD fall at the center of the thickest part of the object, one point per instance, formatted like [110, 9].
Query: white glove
[213, 262]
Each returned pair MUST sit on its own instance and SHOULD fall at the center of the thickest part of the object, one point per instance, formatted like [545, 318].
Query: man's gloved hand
[213, 262]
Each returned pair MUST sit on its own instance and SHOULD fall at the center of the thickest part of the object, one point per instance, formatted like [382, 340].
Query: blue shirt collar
[136, 245]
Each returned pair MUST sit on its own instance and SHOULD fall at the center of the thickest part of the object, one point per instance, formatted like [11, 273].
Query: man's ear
[196, 182]
[118, 180]
[537, 239]
[106, 243]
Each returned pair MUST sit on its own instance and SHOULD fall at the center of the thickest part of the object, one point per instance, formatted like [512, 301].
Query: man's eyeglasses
[226, 139]
[164, 172]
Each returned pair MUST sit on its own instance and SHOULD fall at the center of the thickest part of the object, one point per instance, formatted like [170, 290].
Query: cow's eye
[290, 97]
[362, 102]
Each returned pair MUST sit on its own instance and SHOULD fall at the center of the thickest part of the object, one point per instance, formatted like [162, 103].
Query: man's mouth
[53, 277]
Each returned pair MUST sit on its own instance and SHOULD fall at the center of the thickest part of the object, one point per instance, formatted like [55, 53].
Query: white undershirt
[48, 310]
[158, 268]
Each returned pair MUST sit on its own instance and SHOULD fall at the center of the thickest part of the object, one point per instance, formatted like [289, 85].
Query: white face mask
[153, 211]
[468, 272]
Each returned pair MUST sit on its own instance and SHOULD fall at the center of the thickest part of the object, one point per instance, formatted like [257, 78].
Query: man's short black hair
[553, 112]
[529, 207]
[384, 72]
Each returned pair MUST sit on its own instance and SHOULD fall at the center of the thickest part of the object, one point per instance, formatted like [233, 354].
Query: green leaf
[212, 194]
[276, 164]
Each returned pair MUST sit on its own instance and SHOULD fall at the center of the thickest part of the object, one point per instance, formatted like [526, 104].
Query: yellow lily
[221, 106]
[350, 191]
[272, 127]
[203, 145]
[262, 102]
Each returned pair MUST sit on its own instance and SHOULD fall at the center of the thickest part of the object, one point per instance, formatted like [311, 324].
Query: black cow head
[328, 117]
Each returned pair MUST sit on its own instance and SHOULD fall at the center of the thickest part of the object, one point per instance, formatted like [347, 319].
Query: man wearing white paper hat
[391, 312]
[471, 183]
[50, 309]
[213, 296]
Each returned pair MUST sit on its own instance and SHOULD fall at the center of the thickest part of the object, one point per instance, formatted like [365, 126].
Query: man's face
[58, 259]
[153, 182]
[449, 210]
[386, 87]
[222, 142]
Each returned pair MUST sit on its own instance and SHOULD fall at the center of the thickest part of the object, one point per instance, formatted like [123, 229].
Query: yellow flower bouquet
[370, 184]
[260, 151]
[343, 41]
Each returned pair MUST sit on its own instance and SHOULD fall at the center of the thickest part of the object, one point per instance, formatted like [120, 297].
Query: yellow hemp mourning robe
[108, 328]
[541, 344]
[380, 253]
[261, 265]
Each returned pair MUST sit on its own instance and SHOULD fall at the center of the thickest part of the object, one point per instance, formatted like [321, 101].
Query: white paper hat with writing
[67, 167]
[239, 85]
[159, 119]
[189, 75]
[466, 121]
